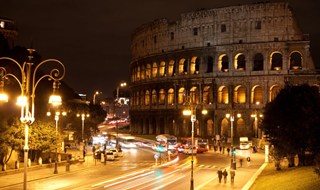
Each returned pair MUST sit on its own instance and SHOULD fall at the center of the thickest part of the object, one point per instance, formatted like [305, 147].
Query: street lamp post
[28, 84]
[56, 118]
[233, 159]
[94, 96]
[123, 84]
[83, 117]
[192, 113]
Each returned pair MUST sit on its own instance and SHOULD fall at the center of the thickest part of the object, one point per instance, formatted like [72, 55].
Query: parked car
[189, 150]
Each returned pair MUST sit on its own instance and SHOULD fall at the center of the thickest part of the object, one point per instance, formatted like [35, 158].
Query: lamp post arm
[55, 74]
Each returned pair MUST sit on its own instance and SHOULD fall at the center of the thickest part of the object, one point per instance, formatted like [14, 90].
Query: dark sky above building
[92, 38]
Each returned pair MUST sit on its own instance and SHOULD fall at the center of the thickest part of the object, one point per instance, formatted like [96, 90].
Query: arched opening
[258, 62]
[142, 102]
[240, 62]
[223, 63]
[223, 95]
[147, 98]
[241, 128]
[154, 98]
[162, 97]
[210, 127]
[239, 95]
[181, 95]
[148, 71]
[210, 64]
[171, 96]
[194, 65]
[257, 95]
[274, 90]
[194, 95]
[276, 61]
[182, 66]
[138, 73]
[162, 69]
[154, 70]
[295, 61]
[143, 72]
[207, 97]
[171, 68]
[225, 128]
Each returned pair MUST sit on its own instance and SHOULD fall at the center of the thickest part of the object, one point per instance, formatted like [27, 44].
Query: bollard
[40, 161]
[29, 162]
[17, 165]
[68, 167]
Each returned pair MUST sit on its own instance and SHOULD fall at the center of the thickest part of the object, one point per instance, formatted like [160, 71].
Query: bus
[127, 141]
[169, 142]
[202, 145]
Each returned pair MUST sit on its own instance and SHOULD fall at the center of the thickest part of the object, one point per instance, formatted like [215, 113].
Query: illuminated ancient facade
[226, 60]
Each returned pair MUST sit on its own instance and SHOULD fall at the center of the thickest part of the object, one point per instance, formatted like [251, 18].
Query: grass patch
[290, 178]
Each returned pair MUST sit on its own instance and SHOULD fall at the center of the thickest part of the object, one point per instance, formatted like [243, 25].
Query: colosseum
[220, 62]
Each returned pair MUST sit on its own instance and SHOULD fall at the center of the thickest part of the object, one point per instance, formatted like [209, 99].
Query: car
[110, 156]
[114, 151]
[188, 150]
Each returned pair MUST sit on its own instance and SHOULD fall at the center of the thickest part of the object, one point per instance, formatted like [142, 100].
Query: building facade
[8, 30]
[227, 60]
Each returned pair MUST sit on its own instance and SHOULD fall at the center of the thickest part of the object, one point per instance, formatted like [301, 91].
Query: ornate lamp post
[28, 84]
[191, 111]
[231, 117]
[56, 118]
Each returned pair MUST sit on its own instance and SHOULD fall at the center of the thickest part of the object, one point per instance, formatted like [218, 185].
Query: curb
[254, 177]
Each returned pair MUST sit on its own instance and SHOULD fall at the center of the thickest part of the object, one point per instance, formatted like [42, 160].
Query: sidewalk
[44, 171]
[244, 177]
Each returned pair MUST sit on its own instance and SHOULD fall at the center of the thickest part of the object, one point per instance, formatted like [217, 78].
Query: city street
[135, 170]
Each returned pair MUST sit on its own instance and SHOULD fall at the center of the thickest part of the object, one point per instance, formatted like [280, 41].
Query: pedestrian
[248, 161]
[225, 174]
[232, 174]
[241, 161]
[228, 150]
[220, 175]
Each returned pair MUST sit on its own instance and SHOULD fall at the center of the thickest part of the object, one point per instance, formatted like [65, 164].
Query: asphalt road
[135, 170]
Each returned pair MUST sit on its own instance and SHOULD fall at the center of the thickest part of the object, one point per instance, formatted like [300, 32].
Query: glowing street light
[28, 84]
[94, 96]
[83, 118]
[123, 84]
[191, 111]
[231, 117]
[56, 118]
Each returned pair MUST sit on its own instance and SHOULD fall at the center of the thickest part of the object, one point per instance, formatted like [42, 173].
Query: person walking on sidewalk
[225, 174]
[220, 175]
[232, 174]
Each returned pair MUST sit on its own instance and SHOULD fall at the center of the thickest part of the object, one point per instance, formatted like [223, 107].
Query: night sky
[92, 37]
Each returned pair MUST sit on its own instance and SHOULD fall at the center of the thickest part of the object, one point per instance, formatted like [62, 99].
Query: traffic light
[160, 148]
[233, 151]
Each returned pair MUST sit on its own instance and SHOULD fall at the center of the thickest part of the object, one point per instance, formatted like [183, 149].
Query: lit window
[2, 24]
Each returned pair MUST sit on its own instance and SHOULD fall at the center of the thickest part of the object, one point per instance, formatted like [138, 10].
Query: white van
[244, 143]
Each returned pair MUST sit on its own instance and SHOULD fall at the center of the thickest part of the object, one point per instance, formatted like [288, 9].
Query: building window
[2, 24]
[155, 39]
[258, 25]
[223, 28]
[195, 31]
[172, 35]
[258, 62]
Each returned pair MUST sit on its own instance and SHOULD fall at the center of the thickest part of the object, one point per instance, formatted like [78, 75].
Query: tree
[292, 121]
[42, 138]
[11, 138]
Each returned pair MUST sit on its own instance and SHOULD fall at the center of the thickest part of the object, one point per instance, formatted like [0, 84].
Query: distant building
[225, 60]
[8, 30]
